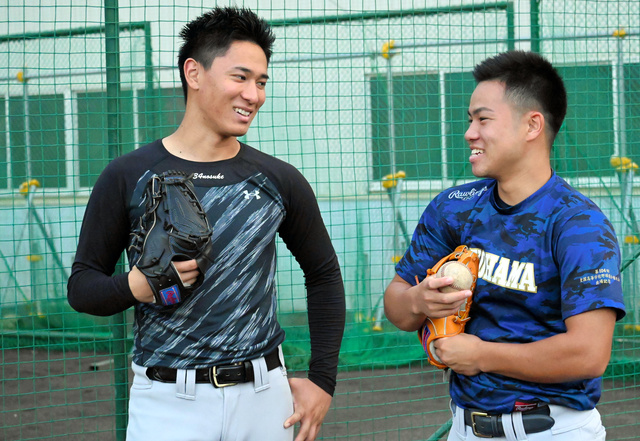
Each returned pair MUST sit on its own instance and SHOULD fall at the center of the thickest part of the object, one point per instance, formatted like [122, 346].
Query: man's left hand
[310, 406]
[459, 353]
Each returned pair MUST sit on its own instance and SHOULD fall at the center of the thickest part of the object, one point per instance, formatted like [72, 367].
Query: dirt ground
[70, 396]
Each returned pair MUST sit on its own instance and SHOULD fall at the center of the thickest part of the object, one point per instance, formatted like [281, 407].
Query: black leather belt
[490, 426]
[218, 376]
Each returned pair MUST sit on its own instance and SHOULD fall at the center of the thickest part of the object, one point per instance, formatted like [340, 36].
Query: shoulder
[579, 226]
[123, 173]
[561, 188]
[142, 156]
[572, 205]
[463, 196]
[140, 159]
[453, 211]
[267, 162]
[280, 172]
[469, 191]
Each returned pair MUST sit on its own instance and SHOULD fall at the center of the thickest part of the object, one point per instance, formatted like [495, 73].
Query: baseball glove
[174, 227]
[435, 328]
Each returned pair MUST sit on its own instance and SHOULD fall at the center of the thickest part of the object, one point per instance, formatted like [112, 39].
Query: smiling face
[497, 133]
[229, 93]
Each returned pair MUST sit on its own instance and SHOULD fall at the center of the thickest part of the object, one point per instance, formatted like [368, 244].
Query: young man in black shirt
[229, 322]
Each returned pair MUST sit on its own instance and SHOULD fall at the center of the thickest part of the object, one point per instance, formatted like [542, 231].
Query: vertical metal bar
[151, 99]
[511, 33]
[392, 146]
[622, 125]
[27, 132]
[7, 140]
[112, 53]
[619, 122]
[444, 167]
[34, 250]
[118, 342]
[629, 173]
[534, 13]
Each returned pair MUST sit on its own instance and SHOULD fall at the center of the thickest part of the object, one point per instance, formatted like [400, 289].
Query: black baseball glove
[174, 227]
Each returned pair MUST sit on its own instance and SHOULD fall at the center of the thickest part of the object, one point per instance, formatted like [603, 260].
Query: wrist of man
[416, 304]
[323, 383]
[139, 286]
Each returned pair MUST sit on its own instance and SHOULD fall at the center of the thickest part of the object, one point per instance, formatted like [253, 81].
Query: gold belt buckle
[473, 424]
[214, 379]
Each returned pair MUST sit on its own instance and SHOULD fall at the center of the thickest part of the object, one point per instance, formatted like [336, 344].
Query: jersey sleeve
[305, 235]
[430, 242]
[589, 263]
[92, 288]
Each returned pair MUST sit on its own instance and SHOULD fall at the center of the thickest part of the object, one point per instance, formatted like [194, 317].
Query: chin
[483, 174]
[241, 131]
[237, 132]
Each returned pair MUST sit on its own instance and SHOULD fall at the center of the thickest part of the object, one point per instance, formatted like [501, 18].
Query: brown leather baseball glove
[435, 328]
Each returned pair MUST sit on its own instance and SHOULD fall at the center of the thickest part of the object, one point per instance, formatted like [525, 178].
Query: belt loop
[458, 418]
[507, 426]
[281, 357]
[186, 384]
[518, 426]
[260, 374]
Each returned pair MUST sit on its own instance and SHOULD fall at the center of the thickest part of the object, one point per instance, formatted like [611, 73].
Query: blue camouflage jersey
[552, 256]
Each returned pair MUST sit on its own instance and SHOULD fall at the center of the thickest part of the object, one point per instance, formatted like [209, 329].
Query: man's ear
[536, 125]
[191, 70]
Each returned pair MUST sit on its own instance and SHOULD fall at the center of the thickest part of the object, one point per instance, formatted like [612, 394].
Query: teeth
[242, 112]
[476, 152]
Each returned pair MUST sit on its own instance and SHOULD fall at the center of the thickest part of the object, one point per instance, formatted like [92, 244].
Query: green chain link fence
[359, 94]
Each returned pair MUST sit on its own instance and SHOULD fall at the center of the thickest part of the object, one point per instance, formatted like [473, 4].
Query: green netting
[358, 91]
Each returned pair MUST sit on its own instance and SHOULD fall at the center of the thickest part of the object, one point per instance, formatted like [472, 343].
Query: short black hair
[211, 34]
[531, 82]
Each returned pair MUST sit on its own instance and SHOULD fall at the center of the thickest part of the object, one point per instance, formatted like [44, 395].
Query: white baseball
[432, 348]
[461, 275]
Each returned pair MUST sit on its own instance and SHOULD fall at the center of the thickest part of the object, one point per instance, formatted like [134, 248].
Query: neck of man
[526, 178]
[520, 187]
[524, 182]
[194, 143]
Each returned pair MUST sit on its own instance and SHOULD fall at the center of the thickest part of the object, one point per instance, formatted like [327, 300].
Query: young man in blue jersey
[529, 364]
[211, 368]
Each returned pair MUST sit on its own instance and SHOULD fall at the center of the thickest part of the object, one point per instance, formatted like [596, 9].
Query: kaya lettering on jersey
[520, 276]
[504, 272]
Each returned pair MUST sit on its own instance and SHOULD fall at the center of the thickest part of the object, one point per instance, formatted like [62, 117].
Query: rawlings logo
[521, 406]
[170, 296]
[466, 195]
[203, 176]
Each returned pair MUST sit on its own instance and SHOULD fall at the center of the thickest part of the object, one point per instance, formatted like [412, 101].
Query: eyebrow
[249, 71]
[478, 110]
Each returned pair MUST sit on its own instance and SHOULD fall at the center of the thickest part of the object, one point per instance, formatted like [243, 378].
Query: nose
[471, 133]
[251, 93]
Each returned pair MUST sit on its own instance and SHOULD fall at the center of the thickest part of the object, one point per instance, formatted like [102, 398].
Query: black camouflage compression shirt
[232, 317]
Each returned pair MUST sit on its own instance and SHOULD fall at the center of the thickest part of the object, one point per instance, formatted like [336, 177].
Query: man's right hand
[188, 271]
[407, 306]
[429, 301]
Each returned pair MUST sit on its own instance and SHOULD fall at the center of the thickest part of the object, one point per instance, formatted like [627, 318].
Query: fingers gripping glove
[174, 227]
[435, 328]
